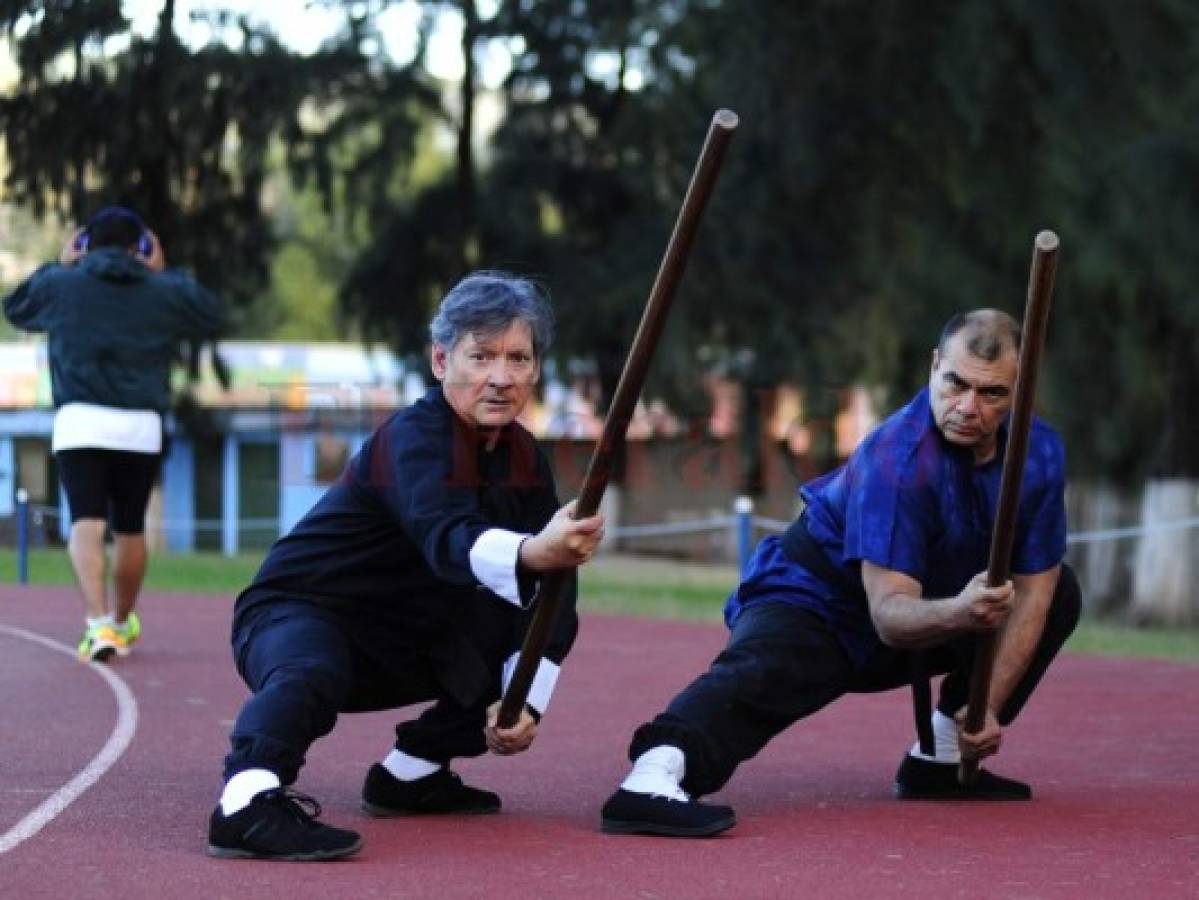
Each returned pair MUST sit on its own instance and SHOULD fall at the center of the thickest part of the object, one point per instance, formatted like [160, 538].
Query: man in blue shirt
[410, 580]
[880, 582]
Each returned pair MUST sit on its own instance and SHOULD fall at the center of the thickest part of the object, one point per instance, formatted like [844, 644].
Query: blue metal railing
[741, 525]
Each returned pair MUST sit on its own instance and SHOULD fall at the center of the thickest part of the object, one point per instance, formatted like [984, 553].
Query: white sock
[244, 786]
[658, 772]
[945, 741]
[408, 768]
[97, 621]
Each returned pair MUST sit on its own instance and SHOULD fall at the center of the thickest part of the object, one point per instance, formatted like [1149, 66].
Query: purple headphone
[145, 246]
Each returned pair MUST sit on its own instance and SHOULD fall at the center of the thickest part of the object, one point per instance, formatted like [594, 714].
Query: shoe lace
[302, 807]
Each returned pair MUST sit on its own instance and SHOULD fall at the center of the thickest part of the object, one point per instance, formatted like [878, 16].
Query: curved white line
[121, 735]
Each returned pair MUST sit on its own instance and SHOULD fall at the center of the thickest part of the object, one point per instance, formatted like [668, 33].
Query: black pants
[305, 667]
[783, 663]
[108, 484]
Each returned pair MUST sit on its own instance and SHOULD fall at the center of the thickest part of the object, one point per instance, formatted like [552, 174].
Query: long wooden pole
[628, 389]
[1032, 342]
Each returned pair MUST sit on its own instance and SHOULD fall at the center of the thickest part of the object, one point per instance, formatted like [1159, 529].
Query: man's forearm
[1017, 644]
[911, 623]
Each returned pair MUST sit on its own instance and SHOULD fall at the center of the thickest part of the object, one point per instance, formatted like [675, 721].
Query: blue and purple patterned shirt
[909, 500]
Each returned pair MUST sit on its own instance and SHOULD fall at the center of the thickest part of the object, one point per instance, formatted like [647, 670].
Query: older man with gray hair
[410, 580]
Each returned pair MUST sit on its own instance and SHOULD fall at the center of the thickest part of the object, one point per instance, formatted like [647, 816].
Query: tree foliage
[940, 137]
[894, 162]
[893, 166]
[101, 115]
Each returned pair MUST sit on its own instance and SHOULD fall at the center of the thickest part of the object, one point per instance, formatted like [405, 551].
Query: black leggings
[108, 484]
[783, 662]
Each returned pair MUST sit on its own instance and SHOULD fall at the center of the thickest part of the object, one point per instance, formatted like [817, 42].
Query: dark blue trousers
[784, 662]
[305, 666]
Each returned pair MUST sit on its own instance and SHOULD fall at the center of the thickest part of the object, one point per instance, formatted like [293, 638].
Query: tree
[181, 135]
[583, 188]
[894, 163]
[421, 234]
[557, 196]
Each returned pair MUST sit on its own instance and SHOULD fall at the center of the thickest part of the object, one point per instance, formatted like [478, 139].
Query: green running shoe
[128, 633]
[99, 643]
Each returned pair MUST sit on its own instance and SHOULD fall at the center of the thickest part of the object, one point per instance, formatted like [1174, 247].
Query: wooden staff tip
[1047, 241]
[726, 119]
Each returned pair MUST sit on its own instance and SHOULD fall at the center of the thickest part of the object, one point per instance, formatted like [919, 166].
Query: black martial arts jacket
[387, 549]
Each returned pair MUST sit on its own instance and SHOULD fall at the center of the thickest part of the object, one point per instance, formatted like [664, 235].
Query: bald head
[986, 333]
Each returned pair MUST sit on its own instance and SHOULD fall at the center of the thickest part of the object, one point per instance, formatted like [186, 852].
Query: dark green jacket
[113, 326]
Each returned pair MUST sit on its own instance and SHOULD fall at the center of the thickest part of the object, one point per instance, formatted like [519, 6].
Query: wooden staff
[670, 273]
[1036, 317]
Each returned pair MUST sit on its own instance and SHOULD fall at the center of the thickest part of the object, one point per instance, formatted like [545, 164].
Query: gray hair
[989, 333]
[487, 302]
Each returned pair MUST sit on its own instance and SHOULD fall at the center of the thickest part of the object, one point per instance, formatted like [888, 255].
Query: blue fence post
[22, 536]
[230, 513]
[744, 519]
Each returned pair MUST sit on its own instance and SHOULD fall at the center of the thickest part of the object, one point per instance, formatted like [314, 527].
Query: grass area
[1113, 639]
[611, 584]
[660, 588]
[199, 573]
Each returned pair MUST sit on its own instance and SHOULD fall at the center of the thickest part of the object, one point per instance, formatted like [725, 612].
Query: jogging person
[115, 316]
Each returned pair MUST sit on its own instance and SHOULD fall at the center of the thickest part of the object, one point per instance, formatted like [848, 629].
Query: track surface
[1110, 747]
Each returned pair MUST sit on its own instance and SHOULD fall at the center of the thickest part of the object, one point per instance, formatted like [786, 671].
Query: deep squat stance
[410, 580]
[875, 586]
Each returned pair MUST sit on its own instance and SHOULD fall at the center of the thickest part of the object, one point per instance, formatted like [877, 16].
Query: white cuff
[543, 684]
[493, 560]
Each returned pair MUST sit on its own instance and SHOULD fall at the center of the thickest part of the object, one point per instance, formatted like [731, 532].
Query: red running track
[1109, 746]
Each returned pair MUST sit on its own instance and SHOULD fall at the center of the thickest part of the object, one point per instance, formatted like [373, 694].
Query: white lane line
[117, 742]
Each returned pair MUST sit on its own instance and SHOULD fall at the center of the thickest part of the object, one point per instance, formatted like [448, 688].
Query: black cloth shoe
[922, 779]
[278, 824]
[627, 812]
[442, 792]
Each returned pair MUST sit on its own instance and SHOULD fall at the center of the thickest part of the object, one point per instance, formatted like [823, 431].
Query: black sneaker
[278, 824]
[440, 793]
[629, 813]
[922, 779]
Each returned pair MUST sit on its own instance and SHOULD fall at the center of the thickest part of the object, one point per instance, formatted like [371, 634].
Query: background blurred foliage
[893, 166]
